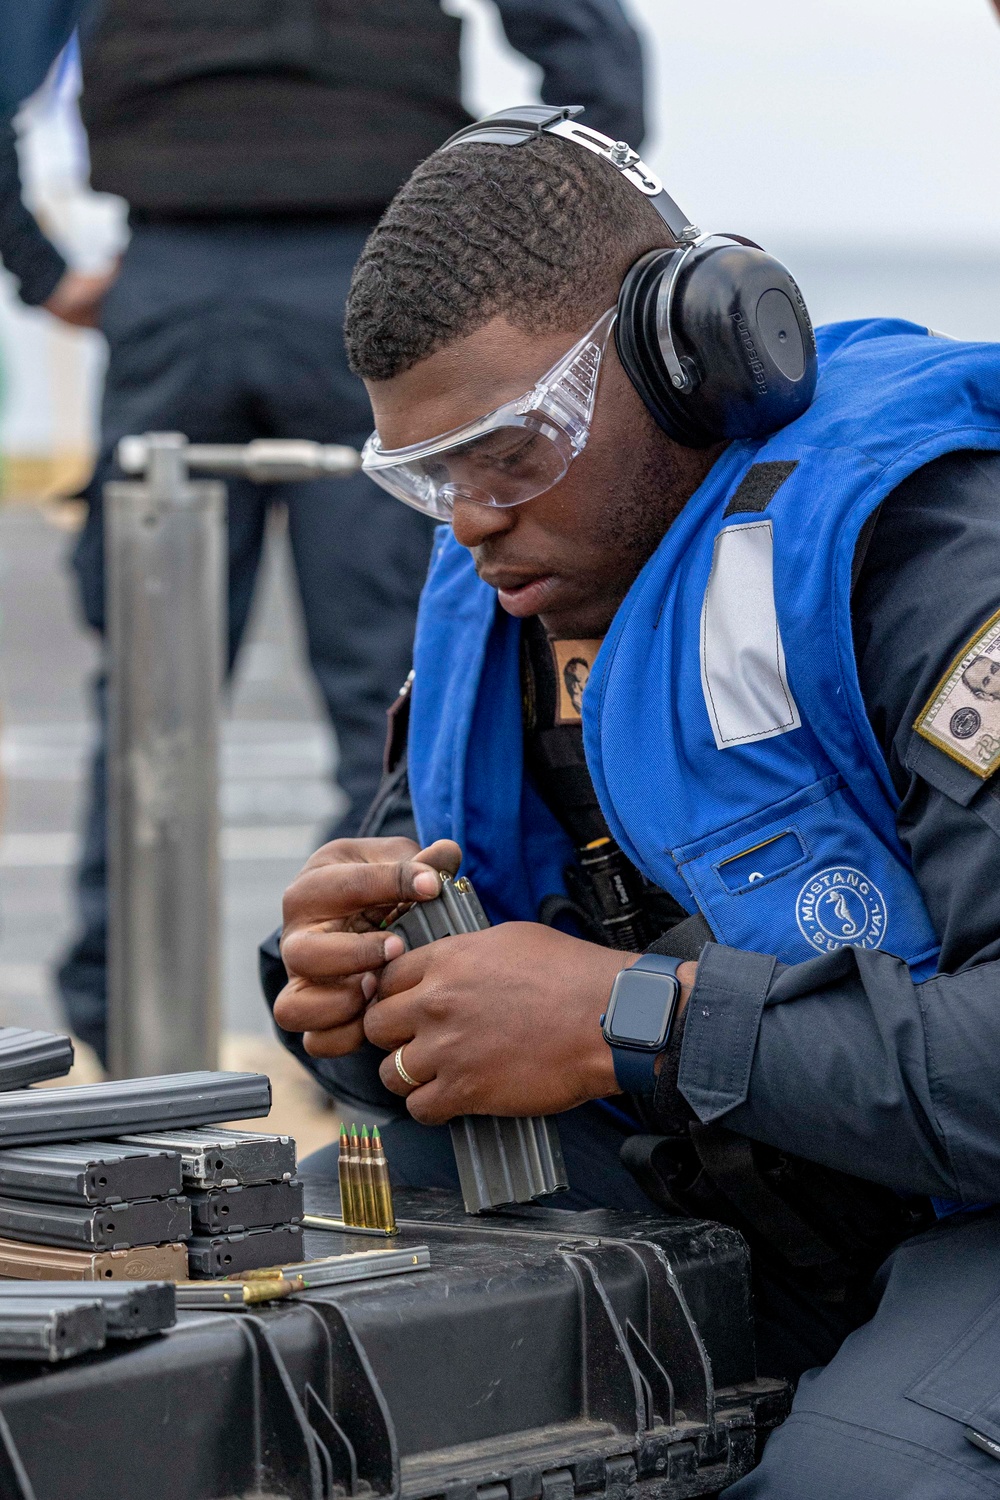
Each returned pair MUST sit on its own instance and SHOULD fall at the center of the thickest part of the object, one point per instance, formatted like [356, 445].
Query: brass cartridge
[370, 1219]
[344, 1175]
[383, 1191]
[354, 1173]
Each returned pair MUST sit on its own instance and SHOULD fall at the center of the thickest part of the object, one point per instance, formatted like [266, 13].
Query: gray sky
[810, 119]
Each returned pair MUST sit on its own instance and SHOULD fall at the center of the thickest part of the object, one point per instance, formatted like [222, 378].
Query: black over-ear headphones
[713, 334]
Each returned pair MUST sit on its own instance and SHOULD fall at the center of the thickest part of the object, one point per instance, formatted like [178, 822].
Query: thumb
[443, 855]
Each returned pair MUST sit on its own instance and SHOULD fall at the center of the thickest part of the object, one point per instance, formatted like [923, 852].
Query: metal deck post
[165, 563]
[166, 597]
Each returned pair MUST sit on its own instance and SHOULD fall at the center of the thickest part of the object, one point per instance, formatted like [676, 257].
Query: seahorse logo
[841, 907]
[850, 927]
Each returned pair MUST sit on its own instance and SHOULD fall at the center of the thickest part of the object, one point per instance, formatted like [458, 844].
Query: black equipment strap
[728, 1160]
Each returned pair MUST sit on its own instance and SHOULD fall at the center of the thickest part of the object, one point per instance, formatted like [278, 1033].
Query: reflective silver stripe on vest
[742, 658]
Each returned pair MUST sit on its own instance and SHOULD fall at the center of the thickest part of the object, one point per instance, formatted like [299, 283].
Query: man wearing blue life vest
[702, 700]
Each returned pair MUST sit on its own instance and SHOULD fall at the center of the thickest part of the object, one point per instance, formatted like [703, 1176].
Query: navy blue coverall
[230, 328]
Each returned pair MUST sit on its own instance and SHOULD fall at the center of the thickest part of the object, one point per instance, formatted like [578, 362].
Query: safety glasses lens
[503, 467]
[518, 451]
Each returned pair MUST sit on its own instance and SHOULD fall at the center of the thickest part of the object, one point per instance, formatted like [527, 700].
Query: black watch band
[638, 1020]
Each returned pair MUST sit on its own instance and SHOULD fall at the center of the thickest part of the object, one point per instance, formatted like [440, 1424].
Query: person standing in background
[256, 150]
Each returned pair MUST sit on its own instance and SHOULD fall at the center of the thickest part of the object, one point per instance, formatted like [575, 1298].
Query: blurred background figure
[256, 150]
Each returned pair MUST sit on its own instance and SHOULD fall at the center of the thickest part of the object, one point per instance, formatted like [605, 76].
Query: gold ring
[404, 1075]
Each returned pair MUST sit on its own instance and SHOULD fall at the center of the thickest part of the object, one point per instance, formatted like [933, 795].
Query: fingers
[417, 1063]
[390, 1023]
[335, 1043]
[404, 972]
[333, 891]
[443, 855]
[316, 954]
[430, 1105]
[330, 1017]
[430, 1102]
[302, 1006]
[362, 851]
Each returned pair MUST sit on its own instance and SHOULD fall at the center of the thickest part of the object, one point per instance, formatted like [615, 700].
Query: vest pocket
[808, 876]
[965, 1382]
[762, 861]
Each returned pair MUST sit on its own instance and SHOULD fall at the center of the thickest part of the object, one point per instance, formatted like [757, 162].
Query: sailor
[718, 602]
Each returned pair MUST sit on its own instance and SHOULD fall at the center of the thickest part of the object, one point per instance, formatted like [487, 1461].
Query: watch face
[641, 1008]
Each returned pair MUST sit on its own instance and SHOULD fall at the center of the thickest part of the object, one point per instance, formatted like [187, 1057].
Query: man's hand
[78, 296]
[331, 941]
[500, 1022]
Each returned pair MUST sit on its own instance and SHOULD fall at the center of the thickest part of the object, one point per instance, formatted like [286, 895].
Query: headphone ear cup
[737, 322]
[639, 349]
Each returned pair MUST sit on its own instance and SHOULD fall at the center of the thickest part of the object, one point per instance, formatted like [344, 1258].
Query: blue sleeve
[24, 250]
[34, 32]
[589, 54]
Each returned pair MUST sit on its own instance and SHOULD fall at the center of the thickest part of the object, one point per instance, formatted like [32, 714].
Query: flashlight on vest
[616, 893]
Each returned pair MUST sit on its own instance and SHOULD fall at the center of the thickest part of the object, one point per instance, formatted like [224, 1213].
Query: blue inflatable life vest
[723, 720]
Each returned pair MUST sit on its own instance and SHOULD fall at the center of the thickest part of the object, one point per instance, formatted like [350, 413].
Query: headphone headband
[712, 332]
[512, 127]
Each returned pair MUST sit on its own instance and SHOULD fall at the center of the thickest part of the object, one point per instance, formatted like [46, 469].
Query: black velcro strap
[759, 486]
[553, 910]
[655, 1163]
[728, 1160]
[686, 940]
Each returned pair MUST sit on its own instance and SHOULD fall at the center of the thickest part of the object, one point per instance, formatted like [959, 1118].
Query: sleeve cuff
[720, 1029]
[41, 277]
[270, 967]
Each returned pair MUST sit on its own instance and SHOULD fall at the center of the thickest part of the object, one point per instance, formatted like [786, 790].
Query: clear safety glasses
[513, 453]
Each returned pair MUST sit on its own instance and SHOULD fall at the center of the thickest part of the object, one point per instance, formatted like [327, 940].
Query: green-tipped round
[380, 1182]
[367, 1181]
[348, 1210]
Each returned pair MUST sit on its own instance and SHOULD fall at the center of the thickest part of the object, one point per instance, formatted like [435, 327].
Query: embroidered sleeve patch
[962, 715]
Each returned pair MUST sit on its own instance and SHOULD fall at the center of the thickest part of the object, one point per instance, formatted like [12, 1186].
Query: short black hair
[540, 233]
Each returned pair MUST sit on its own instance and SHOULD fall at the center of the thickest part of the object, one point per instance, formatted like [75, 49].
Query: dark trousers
[226, 332]
[885, 1417]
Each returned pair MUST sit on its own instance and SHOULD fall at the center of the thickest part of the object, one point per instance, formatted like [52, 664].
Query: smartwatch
[637, 1022]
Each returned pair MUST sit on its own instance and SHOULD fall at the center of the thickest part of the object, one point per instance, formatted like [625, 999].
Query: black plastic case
[544, 1355]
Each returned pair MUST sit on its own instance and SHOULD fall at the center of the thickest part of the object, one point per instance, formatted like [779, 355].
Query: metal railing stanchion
[165, 566]
[166, 601]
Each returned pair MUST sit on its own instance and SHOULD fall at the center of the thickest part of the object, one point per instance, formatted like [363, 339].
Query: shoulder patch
[962, 715]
